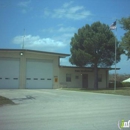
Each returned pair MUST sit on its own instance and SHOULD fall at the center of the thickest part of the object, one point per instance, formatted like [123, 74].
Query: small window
[76, 77]
[42, 79]
[99, 78]
[7, 78]
[77, 70]
[15, 78]
[28, 78]
[68, 77]
[35, 78]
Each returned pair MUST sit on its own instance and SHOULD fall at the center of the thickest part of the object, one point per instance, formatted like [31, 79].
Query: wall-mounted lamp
[21, 53]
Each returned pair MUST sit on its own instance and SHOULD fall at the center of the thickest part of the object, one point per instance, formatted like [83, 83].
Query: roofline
[76, 67]
[62, 55]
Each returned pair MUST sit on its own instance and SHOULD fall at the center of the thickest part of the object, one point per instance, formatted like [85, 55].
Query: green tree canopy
[94, 45]
[125, 22]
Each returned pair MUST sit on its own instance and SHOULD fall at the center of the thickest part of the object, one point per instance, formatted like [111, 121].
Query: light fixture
[21, 53]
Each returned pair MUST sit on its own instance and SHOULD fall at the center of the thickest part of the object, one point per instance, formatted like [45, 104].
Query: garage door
[39, 74]
[9, 73]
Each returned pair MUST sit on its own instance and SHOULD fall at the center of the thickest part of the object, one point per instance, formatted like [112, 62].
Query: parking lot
[55, 109]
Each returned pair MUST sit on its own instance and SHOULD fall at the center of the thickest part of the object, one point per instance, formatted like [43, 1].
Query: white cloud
[24, 5]
[61, 33]
[68, 11]
[75, 9]
[60, 30]
[38, 43]
[65, 38]
[66, 29]
[46, 12]
[65, 5]
[49, 30]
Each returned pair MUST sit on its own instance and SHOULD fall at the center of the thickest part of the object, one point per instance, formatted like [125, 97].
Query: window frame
[68, 77]
[100, 78]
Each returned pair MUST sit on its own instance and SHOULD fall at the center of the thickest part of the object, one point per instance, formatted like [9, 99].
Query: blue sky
[49, 25]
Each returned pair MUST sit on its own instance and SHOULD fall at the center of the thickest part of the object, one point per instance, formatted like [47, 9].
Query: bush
[118, 84]
[125, 84]
[111, 85]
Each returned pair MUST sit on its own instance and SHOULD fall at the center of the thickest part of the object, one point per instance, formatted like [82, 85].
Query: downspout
[95, 77]
[59, 72]
[106, 78]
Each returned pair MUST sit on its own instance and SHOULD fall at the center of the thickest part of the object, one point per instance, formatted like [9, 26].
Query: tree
[125, 22]
[94, 45]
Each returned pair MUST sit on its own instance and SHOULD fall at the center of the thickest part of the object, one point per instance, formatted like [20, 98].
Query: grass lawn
[119, 91]
[4, 101]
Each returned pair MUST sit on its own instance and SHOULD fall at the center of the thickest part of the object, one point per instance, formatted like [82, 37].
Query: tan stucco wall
[31, 55]
[74, 83]
[59, 73]
[77, 83]
[104, 82]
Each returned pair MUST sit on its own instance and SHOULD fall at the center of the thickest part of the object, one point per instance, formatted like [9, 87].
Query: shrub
[111, 85]
[125, 84]
[118, 84]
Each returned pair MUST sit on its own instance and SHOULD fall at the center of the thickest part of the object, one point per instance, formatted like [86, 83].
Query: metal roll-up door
[9, 73]
[39, 74]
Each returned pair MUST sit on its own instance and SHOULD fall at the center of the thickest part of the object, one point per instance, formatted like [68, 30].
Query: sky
[49, 25]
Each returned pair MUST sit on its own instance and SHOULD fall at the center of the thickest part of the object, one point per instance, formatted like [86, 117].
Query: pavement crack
[28, 97]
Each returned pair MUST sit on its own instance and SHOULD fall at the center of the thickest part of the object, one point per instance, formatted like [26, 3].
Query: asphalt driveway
[63, 110]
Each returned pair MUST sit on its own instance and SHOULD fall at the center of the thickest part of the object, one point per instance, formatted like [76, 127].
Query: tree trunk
[95, 77]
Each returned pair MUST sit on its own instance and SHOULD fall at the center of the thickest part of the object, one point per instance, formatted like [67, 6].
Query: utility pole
[115, 60]
[114, 27]
[23, 38]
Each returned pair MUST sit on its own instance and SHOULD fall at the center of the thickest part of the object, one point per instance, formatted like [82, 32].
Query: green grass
[4, 101]
[119, 91]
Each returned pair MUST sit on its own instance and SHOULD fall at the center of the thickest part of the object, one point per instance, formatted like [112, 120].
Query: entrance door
[85, 81]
